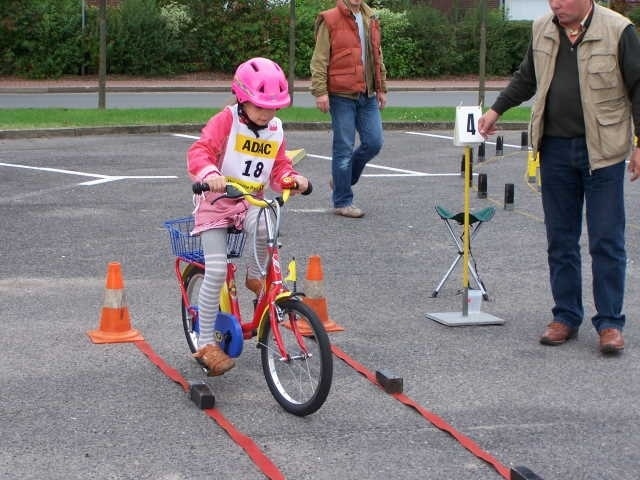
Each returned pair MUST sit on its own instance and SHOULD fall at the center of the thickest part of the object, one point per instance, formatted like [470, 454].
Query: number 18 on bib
[465, 131]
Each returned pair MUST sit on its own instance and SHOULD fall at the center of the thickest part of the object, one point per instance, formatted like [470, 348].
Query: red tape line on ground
[259, 458]
[437, 422]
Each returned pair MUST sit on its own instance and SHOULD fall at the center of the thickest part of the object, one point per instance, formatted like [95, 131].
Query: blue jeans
[567, 185]
[347, 117]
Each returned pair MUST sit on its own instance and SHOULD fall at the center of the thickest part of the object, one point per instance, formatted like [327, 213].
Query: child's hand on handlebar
[296, 183]
[217, 183]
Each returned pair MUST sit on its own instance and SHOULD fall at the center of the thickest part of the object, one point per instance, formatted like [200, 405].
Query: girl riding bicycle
[245, 144]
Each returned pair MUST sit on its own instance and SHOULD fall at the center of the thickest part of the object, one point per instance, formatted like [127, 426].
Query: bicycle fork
[186, 301]
[278, 321]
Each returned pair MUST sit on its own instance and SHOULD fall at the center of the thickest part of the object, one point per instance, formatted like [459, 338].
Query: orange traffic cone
[115, 324]
[314, 297]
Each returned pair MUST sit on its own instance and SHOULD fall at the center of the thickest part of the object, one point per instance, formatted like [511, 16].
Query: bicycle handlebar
[234, 190]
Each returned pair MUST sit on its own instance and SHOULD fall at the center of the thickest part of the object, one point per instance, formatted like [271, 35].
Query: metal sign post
[466, 134]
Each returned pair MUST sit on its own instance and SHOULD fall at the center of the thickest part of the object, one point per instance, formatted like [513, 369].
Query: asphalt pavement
[73, 409]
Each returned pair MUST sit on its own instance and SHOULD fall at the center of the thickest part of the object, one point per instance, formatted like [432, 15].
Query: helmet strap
[253, 126]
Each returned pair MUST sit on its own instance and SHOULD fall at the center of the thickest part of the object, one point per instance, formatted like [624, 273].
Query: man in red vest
[348, 79]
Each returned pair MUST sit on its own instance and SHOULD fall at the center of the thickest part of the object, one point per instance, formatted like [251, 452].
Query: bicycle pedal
[201, 395]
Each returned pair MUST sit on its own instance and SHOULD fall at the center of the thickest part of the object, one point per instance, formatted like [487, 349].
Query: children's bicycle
[298, 368]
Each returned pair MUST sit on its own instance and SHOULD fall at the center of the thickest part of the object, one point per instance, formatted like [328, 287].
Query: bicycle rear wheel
[192, 278]
[300, 382]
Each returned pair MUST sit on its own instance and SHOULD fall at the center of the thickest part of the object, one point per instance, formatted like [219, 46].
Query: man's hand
[382, 100]
[634, 164]
[487, 123]
[322, 102]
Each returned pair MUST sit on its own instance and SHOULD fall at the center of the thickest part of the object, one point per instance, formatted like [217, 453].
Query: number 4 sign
[465, 131]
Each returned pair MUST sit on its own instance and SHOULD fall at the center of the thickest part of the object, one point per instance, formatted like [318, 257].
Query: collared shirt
[363, 39]
[582, 27]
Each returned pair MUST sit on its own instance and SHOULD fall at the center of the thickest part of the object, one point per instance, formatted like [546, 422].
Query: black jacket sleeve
[629, 59]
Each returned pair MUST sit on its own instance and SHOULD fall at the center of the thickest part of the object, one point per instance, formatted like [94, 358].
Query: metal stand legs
[472, 270]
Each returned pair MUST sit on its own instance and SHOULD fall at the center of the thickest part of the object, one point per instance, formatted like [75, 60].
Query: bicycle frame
[193, 310]
[274, 290]
[298, 368]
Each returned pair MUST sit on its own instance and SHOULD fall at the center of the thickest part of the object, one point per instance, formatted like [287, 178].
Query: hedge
[48, 38]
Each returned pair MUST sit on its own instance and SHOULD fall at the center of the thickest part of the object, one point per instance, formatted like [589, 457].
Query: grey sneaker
[350, 211]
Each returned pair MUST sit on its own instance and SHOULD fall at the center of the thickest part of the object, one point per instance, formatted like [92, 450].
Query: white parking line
[182, 135]
[448, 137]
[98, 177]
[400, 171]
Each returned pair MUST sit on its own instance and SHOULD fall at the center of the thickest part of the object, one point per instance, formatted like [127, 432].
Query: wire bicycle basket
[235, 242]
[189, 247]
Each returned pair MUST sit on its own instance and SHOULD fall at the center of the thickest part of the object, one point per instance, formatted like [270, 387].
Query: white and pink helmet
[262, 82]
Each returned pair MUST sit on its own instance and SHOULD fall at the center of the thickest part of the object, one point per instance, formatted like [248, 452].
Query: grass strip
[33, 118]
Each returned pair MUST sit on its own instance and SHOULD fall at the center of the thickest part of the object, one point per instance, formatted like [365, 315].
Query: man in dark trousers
[583, 65]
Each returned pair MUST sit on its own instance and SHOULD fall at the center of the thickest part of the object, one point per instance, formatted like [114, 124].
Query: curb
[190, 128]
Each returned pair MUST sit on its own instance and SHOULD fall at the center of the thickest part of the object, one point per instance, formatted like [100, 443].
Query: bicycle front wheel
[192, 279]
[301, 379]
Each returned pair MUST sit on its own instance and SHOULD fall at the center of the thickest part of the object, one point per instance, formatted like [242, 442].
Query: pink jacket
[205, 157]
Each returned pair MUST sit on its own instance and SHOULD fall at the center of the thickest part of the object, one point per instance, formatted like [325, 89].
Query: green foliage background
[48, 38]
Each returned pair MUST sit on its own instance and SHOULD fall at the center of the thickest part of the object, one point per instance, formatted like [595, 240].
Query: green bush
[40, 38]
[433, 53]
[398, 47]
[306, 13]
[141, 41]
[229, 32]
[45, 38]
[208, 22]
[506, 43]
[634, 16]
[181, 25]
[516, 36]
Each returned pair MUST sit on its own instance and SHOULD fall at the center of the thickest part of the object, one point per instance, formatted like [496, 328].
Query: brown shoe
[557, 333]
[214, 358]
[611, 340]
[350, 211]
[254, 284]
